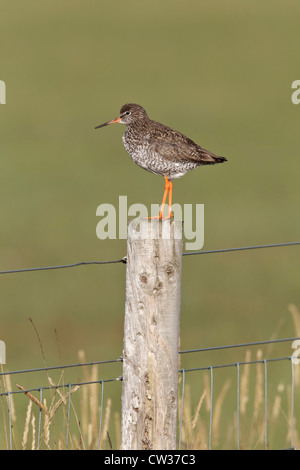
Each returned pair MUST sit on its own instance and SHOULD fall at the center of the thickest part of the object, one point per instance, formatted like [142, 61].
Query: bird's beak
[118, 119]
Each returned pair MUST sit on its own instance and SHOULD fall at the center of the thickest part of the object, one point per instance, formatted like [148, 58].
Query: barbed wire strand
[68, 366]
[73, 265]
[242, 248]
[120, 359]
[239, 345]
[124, 259]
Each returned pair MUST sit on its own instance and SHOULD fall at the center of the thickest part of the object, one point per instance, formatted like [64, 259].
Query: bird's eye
[127, 113]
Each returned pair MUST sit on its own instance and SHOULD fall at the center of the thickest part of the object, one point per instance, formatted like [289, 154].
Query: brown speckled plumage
[158, 148]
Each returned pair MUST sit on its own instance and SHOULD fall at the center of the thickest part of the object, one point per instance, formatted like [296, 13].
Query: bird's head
[129, 114]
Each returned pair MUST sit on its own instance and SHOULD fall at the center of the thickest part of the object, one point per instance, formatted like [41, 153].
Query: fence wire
[184, 373]
[124, 259]
[71, 387]
[237, 365]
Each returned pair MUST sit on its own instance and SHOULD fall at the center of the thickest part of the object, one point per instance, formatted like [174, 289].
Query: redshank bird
[160, 149]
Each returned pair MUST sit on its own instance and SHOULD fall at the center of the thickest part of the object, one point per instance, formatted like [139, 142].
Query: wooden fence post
[151, 335]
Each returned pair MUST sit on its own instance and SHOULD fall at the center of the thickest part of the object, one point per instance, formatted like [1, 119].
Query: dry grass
[81, 429]
[73, 414]
[195, 428]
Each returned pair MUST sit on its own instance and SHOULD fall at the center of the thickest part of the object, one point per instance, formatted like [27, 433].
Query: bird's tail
[209, 158]
[219, 159]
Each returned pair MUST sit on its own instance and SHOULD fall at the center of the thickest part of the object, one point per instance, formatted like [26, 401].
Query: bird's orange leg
[164, 198]
[160, 216]
[168, 189]
[170, 199]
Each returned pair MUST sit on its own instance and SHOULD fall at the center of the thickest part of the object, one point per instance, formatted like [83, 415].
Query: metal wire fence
[197, 429]
[241, 395]
[124, 259]
[85, 410]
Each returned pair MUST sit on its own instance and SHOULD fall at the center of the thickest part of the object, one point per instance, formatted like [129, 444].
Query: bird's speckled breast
[139, 150]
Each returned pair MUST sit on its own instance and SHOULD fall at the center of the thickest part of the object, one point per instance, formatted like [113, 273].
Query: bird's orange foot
[153, 217]
[160, 216]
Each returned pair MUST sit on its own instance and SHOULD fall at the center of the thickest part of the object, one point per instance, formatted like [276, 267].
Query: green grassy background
[220, 72]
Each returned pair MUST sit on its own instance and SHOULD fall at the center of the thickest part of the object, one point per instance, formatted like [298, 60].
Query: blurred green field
[221, 73]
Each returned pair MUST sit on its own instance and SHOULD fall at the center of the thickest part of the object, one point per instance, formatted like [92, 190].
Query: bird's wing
[172, 145]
